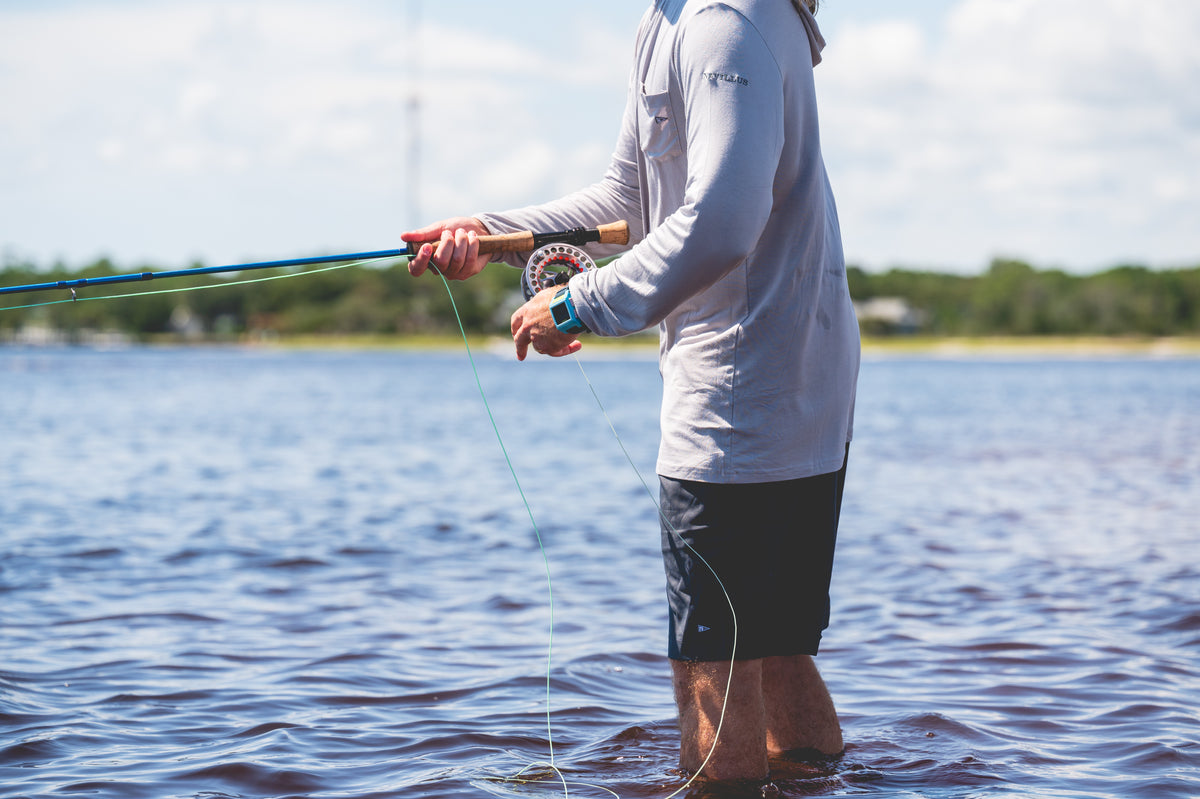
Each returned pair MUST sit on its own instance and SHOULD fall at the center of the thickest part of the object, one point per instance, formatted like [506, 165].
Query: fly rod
[522, 241]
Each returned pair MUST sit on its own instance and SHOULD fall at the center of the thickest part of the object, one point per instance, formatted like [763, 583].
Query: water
[248, 573]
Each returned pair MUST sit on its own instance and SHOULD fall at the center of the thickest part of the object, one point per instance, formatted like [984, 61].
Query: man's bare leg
[799, 710]
[741, 751]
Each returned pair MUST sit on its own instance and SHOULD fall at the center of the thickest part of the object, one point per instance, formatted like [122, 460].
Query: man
[736, 256]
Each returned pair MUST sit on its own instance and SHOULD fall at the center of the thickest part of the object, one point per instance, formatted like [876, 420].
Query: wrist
[562, 310]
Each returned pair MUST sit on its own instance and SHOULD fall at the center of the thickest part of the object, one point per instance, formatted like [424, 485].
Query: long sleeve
[716, 135]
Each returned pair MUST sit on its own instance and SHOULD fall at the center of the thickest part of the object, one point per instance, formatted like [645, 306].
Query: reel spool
[553, 265]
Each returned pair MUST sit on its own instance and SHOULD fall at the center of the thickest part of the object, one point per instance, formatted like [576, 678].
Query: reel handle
[527, 240]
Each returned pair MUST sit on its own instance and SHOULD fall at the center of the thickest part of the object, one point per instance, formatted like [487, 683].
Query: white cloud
[1065, 132]
[294, 115]
[1051, 131]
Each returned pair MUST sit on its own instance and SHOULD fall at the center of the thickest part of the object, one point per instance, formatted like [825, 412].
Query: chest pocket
[659, 130]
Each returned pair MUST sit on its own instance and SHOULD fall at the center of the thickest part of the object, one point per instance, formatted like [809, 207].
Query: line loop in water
[546, 559]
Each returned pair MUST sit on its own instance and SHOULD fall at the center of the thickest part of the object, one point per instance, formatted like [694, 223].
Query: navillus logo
[726, 78]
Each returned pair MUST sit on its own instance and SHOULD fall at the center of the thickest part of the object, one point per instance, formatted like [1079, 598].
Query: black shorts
[766, 549]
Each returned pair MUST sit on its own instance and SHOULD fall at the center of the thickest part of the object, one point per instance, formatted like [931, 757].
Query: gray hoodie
[736, 252]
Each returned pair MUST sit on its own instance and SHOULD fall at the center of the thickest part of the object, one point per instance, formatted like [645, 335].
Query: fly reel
[553, 265]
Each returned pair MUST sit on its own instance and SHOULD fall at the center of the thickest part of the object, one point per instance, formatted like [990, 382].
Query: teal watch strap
[563, 311]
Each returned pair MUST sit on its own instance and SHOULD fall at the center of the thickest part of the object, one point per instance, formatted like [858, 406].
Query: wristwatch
[563, 311]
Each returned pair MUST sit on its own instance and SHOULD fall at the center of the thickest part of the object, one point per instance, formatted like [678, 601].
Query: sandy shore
[1036, 346]
[946, 347]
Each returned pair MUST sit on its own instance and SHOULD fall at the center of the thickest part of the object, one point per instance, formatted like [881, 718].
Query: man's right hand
[451, 246]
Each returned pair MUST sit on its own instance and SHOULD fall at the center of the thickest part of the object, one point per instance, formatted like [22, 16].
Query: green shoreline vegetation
[940, 346]
[1010, 308]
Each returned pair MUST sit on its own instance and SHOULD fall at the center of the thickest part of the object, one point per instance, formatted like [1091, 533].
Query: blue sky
[1066, 133]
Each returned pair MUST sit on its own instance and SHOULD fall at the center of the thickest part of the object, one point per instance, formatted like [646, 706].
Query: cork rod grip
[527, 241]
[521, 241]
[614, 233]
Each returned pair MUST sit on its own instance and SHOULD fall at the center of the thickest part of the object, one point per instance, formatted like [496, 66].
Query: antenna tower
[413, 117]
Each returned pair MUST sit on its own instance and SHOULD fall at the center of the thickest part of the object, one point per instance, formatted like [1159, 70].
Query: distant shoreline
[947, 346]
[900, 346]
[1078, 346]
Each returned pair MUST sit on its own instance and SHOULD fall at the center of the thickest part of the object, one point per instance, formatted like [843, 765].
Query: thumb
[428, 233]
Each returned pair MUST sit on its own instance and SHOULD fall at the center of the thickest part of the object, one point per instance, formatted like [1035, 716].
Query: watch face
[560, 313]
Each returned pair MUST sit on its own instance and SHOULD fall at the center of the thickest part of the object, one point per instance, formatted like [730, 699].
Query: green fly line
[671, 528]
[537, 533]
[182, 289]
[546, 560]
[517, 778]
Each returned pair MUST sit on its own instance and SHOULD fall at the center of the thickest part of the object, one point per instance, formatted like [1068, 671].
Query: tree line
[1009, 298]
[346, 301]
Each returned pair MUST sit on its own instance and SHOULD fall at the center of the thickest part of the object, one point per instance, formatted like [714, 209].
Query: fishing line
[529, 510]
[671, 528]
[546, 561]
[565, 783]
[552, 272]
[181, 289]
[478, 382]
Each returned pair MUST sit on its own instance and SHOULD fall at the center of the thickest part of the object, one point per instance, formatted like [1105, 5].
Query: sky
[1065, 133]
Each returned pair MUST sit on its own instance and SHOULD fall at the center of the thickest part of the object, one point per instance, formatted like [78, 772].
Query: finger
[471, 255]
[427, 233]
[443, 255]
[573, 346]
[462, 257]
[522, 342]
[458, 255]
[554, 350]
[519, 334]
[420, 262]
[456, 252]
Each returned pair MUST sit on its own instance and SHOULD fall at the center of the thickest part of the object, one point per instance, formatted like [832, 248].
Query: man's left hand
[532, 325]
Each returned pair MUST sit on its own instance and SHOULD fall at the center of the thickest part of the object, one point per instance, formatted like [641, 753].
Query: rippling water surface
[245, 573]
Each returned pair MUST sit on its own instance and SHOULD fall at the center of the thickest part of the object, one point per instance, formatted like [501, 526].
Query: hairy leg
[799, 710]
[741, 751]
